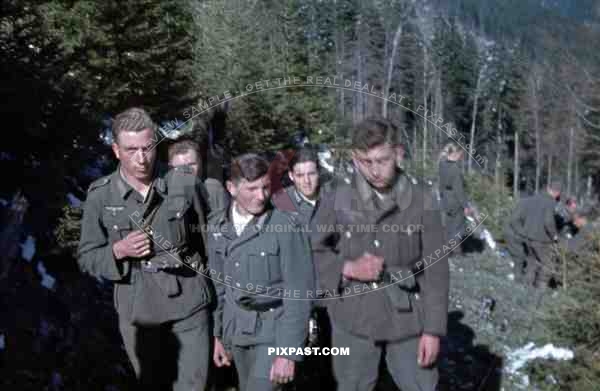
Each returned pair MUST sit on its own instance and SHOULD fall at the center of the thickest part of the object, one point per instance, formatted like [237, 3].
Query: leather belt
[155, 267]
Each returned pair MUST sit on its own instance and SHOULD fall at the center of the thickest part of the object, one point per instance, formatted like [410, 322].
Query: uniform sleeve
[215, 263]
[324, 242]
[550, 223]
[436, 274]
[94, 253]
[459, 187]
[299, 279]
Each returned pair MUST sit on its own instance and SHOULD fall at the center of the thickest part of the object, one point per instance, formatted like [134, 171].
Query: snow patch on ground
[28, 248]
[47, 280]
[518, 358]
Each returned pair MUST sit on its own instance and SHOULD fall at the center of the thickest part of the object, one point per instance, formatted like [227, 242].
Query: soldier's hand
[367, 267]
[282, 370]
[221, 357]
[429, 348]
[134, 245]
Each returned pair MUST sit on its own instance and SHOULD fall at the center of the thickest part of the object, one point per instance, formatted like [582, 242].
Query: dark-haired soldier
[380, 256]
[136, 231]
[302, 200]
[302, 197]
[267, 281]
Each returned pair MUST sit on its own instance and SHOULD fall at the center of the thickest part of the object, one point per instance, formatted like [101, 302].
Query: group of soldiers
[211, 275]
[539, 228]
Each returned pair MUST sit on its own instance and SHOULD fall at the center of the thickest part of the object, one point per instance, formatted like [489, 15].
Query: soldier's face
[190, 158]
[377, 165]
[306, 178]
[137, 152]
[251, 197]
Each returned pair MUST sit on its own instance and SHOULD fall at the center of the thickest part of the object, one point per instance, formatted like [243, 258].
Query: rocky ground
[66, 338]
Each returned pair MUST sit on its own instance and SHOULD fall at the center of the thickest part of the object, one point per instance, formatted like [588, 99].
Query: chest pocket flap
[178, 216]
[118, 225]
[264, 261]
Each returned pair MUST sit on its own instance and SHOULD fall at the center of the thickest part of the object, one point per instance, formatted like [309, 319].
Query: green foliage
[492, 200]
[68, 229]
[573, 320]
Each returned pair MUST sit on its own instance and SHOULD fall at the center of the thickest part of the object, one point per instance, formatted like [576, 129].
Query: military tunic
[162, 290]
[533, 224]
[411, 298]
[264, 280]
[453, 197]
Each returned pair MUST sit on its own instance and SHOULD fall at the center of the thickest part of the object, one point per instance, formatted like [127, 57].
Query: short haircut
[182, 145]
[249, 166]
[303, 155]
[134, 119]
[372, 132]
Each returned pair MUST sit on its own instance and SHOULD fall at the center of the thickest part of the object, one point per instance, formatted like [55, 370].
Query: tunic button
[262, 254]
[376, 243]
[271, 310]
[348, 234]
[417, 296]
[115, 227]
[237, 284]
[237, 264]
[178, 214]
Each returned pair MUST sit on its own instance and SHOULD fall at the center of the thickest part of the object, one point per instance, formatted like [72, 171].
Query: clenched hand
[282, 370]
[364, 268]
[134, 245]
[221, 357]
[429, 347]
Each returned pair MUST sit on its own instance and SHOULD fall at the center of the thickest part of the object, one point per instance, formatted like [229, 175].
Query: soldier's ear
[115, 148]
[231, 188]
[290, 175]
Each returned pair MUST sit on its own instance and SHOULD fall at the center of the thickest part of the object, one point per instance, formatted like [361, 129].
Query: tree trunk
[538, 141]
[388, 81]
[549, 180]
[425, 101]
[570, 160]
[474, 120]
[516, 167]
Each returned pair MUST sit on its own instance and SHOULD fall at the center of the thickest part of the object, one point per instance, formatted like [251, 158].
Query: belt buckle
[149, 266]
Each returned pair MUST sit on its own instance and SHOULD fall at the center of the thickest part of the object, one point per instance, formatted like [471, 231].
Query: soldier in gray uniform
[264, 281]
[533, 222]
[302, 197]
[136, 232]
[382, 262]
[302, 200]
[185, 151]
[454, 200]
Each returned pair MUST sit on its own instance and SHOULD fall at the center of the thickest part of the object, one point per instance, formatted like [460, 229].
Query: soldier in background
[454, 200]
[564, 217]
[185, 151]
[302, 199]
[534, 224]
[136, 232]
[382, 299]
[254, 247]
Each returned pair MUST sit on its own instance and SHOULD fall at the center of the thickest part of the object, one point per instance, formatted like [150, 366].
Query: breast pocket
[264, 263]
[179, 218]
[409, 242]
[117, 226]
